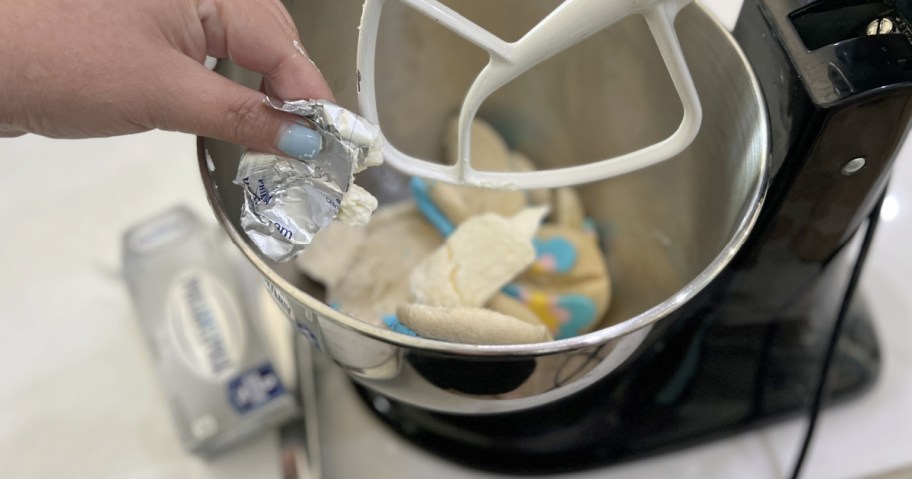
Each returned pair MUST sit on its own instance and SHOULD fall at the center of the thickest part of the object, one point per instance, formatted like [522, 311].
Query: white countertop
[79, 396]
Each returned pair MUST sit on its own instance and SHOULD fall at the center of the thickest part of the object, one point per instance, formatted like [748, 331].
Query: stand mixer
[734, 261]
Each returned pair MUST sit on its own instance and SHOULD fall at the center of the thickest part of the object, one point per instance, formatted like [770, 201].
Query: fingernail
[299, 141]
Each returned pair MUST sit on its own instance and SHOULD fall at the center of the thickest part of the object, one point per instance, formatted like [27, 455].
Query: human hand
[78, 69]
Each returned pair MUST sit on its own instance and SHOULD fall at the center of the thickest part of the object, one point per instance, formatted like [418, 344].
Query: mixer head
[570, 23]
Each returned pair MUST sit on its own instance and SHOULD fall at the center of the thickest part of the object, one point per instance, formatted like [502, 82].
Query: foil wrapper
[362, 136]
[287, 201]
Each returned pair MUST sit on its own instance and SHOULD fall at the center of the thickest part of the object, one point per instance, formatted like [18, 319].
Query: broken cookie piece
[469, 325]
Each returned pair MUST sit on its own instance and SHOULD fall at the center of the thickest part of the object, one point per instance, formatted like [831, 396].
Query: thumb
[205, 103]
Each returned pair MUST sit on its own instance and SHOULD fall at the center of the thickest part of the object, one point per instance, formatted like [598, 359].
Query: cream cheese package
[287, 201]
[216, 375]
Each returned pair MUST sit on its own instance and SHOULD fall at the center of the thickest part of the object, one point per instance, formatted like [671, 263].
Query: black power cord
[819, 393]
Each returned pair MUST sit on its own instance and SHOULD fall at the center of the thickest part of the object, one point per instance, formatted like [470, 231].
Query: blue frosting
[429, 209]
[582, 314]
[562, 250]
[393, 323]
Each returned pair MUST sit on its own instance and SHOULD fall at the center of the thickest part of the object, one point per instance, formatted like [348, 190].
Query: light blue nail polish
[300, 142]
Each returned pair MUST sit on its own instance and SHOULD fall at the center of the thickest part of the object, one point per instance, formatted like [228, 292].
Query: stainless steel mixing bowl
[667, 230]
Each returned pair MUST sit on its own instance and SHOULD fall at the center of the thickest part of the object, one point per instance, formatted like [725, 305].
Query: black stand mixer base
[744, 376]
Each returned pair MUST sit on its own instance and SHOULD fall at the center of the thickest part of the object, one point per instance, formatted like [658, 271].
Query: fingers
[259, 35]
[204, 103]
